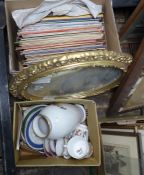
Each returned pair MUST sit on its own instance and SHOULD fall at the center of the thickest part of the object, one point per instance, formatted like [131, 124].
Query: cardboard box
[11, 5]
[29, 159]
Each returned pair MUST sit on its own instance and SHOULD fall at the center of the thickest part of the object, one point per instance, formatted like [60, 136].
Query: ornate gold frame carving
[103, 58]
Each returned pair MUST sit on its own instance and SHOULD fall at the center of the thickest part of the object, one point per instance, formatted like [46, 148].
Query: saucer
[47, 149]
[52, 144]
[31, 139]
[27, 115]
[60, 147]
[31, 108]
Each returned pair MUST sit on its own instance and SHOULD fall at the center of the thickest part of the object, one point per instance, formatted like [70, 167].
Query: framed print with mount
[121, 153]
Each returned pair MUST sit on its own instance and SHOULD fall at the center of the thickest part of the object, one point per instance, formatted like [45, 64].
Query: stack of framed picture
[123, 147]
[129, 95]
[123, 135]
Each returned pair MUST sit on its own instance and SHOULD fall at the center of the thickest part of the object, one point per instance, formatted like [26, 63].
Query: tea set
[57, 129]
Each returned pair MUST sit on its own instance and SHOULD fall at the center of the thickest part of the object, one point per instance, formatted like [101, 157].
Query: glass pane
[73, 81]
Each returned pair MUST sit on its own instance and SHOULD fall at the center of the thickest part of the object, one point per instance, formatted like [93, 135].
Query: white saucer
[60, 147]
[52, 144]
[27, 115]
[31, 139]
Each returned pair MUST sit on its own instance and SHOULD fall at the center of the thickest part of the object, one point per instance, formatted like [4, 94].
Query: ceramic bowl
[62, 119]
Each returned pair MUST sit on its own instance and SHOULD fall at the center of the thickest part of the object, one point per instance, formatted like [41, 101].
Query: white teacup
[61, 120]
[78, 147]
[81, 130]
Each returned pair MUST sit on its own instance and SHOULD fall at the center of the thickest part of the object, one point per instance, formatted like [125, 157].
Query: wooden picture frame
[128, 95]
[122, 152]
[136, 19]
[141, 141]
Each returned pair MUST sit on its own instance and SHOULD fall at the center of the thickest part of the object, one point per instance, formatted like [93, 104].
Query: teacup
[60, 119]
[90, 151]
[81, 130]
[79, 148]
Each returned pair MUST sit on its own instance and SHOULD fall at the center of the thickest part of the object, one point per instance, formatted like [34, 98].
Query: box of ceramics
[61, 132]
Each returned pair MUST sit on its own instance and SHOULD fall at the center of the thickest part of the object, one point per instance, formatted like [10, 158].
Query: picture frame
[123, 3]
[62, 76]
[133, 28]
[122, 153]
[141, 140]
[128, 95]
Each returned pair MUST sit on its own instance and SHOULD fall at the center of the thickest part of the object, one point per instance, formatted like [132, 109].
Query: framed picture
[141, 140]
[129, 95]
[121, 153]
[119, 129]
[123, 3]
[133, 28]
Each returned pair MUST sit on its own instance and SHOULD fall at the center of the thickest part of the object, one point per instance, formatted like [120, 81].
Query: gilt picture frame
[76, 75]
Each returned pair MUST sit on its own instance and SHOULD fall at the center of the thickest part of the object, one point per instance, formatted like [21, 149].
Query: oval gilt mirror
[73, 75]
